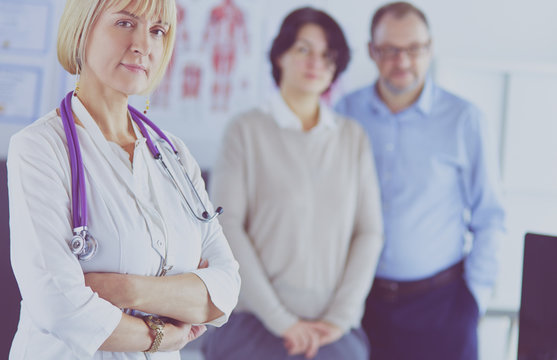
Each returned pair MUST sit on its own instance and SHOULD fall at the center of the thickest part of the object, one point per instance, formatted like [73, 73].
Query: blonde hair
[79, 16]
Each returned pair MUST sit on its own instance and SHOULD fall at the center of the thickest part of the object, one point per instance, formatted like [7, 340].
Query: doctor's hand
[302, 338]
[203, 264]
[178, 334]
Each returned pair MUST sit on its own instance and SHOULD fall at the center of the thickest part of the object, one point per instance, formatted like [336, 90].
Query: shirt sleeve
[229, 188]
[49, 276]
[487, 215]
[221, 277]
[347, 306]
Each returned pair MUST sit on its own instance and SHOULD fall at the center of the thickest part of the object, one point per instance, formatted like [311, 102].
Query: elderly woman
[303, 214]
[130, 277]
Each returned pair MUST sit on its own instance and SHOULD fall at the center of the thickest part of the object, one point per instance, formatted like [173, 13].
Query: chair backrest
[10, 298]
[537, 337]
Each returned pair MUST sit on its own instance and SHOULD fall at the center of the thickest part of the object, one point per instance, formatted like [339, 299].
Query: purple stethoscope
[83, 244]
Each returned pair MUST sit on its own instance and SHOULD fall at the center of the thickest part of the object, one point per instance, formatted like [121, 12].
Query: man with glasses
[441, 211]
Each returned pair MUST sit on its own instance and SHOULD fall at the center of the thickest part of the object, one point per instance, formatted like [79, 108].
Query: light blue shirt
[435, 186]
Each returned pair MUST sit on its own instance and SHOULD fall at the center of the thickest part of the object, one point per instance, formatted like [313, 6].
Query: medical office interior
[499, 54]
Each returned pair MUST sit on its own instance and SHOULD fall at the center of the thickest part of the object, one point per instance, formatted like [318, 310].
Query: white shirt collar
[286, 119]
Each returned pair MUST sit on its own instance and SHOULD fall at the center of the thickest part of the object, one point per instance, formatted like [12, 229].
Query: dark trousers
[437, 324]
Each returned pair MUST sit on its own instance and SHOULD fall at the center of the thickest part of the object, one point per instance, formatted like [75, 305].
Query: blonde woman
[129, 278]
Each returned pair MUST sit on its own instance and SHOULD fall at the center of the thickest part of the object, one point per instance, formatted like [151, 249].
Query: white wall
[490, 30]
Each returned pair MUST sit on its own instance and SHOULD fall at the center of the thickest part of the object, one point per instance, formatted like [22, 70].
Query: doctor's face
[401, 49]
[123, 51]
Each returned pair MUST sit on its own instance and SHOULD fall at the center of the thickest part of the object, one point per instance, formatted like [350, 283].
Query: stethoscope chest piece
[84, 246]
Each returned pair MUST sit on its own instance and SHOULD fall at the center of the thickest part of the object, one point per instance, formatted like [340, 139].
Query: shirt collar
[425, 101]
[423, 104]
[286, 119]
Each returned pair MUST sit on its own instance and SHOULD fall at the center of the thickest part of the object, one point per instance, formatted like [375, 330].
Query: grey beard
[396, 91]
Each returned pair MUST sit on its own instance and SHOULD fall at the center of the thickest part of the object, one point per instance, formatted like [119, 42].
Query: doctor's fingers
[203, 264]
[196, 331]
[176, 336]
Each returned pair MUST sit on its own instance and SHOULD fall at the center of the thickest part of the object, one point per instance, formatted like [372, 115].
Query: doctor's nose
[141, 42]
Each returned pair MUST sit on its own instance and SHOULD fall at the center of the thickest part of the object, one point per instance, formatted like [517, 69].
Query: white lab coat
[132, 212]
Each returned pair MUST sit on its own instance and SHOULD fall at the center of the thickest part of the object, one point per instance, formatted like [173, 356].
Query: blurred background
[500, 54]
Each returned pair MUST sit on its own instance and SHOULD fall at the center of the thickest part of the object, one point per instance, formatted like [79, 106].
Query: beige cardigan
[302, 216]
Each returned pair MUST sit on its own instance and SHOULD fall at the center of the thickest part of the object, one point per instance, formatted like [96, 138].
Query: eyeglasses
[392, 52]
[302, 50]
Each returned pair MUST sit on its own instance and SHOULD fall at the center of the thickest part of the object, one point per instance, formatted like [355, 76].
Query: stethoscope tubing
[157, 155]
[79, 195]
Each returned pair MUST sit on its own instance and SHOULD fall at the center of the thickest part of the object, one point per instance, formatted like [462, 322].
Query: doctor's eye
[159, 32]
[125, 23]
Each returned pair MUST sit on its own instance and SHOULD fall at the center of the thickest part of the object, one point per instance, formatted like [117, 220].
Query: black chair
[10, 298]
[537, 330]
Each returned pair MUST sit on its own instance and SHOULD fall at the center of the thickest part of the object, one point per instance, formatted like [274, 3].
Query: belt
[389, 290]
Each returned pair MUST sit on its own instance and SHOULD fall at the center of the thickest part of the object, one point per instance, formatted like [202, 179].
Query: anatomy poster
[214, 72]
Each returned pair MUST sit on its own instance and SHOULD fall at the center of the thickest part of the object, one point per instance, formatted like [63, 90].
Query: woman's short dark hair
[288, 32]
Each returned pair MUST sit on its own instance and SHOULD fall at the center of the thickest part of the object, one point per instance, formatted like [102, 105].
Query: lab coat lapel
[101, 143]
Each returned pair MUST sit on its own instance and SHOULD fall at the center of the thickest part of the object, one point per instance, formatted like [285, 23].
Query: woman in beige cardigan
[302, 209]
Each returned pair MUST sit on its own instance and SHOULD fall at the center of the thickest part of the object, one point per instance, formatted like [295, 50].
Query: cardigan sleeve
[347, 306]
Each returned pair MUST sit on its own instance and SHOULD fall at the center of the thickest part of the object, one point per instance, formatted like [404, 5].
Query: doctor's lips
[135, 68]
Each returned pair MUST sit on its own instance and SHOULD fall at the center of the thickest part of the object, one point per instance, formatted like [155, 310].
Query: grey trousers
[245, 338]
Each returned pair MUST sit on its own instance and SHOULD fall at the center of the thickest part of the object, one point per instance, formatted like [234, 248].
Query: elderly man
[443, 218]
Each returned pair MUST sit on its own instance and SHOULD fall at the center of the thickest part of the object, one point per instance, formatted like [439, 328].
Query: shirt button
[159, 243]
[387, 177]
[389, 147]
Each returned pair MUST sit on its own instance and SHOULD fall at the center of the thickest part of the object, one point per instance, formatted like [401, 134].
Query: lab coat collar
[100, 141]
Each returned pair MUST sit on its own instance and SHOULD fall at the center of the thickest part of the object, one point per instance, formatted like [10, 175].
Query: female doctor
[93, 301]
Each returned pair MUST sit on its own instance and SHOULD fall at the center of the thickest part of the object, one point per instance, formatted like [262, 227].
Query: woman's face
[124, 51]
[308, 66]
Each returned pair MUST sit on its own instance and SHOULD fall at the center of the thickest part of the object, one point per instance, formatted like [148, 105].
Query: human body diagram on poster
[211, 65]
